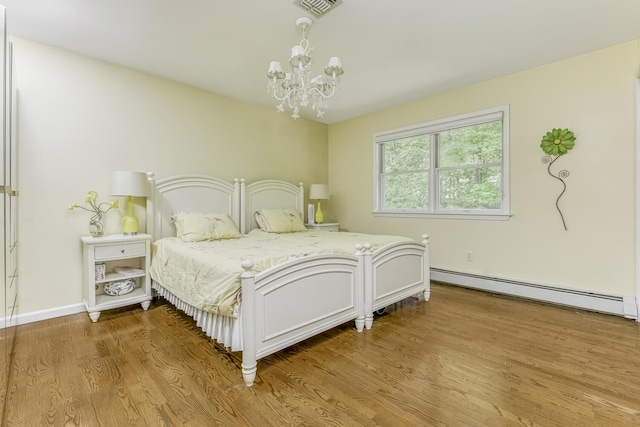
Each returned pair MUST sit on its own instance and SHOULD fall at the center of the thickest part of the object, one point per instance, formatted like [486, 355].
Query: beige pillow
[197, 227]
[280, 220]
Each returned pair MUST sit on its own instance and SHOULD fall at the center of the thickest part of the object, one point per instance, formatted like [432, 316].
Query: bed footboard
[288, 303]
[395, 272]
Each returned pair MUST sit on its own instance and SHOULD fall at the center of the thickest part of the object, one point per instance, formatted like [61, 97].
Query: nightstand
[325, 226]
[115, 258]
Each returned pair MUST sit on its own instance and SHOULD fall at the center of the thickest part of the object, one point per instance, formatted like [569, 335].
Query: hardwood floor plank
[465, 358]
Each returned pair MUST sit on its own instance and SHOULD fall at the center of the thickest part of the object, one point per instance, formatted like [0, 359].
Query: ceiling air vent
[318, 7]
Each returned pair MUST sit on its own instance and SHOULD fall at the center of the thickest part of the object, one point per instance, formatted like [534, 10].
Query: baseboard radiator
[611, 304]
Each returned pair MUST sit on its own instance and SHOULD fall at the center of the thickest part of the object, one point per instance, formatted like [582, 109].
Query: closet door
[11, 198]
[4, 347]
[8, 229]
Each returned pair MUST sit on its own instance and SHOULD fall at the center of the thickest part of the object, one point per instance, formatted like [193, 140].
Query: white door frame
[637, 255]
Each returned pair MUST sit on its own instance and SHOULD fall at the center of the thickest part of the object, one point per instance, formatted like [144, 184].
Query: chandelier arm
[287, 94]
[317, 91]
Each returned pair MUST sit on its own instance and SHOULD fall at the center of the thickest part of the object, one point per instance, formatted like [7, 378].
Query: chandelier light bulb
[298, 88]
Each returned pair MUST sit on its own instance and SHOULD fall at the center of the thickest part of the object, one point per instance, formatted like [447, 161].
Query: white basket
[119, 287]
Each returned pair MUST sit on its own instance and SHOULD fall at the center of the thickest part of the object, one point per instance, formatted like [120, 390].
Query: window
[455, 167]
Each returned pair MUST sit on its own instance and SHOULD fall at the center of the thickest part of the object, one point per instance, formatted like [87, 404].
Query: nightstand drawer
[119, 251]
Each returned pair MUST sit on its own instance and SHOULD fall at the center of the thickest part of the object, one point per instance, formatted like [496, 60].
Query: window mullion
[433, 172]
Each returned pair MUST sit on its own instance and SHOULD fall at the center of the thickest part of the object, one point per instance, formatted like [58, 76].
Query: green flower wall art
[556, 144]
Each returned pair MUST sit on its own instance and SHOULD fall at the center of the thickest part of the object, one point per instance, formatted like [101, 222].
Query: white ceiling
[393, 51]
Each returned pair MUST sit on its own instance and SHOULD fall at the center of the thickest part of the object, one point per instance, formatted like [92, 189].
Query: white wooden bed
[297, 299]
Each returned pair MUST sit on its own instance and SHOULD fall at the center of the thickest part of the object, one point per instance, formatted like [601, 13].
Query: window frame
[432, 129]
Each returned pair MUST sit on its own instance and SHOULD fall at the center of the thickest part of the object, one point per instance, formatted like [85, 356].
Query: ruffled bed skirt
[226, 331]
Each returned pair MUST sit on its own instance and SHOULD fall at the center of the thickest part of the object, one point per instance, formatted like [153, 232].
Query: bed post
[243, 207]
[360, 297]
[150, 205]
[427, 269]
[249, 365]
[236, 202]
[363, 251]
[300, 200]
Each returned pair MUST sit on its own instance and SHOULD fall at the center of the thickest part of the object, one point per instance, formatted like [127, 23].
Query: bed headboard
[268, 194]
[192, 193]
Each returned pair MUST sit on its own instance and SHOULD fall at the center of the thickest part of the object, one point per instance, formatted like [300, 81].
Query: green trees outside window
[470, 167]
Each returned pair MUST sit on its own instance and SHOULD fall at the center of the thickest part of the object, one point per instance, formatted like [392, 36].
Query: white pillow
[280, 220]
[197, 227]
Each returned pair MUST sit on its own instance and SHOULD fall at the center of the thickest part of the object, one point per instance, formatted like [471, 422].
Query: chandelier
[297, 88]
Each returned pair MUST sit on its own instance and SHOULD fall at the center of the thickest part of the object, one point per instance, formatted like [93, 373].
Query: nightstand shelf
[116, 252]
[325, 226]
[111, 277]
[106, 302]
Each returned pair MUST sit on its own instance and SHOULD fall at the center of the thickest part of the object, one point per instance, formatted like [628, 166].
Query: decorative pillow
[197, 227]
[280, 220]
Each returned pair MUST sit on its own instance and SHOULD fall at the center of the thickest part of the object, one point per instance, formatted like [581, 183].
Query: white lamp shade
[334, 61]
[275, 67]
[128, 183]
[318, 192]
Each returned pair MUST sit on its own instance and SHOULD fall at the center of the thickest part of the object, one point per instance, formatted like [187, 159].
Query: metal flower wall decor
[555, 144]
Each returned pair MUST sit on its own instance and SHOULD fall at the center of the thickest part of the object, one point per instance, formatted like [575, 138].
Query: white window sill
[431, 215]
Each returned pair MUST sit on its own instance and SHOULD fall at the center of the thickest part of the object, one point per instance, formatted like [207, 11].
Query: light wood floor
[465, 358]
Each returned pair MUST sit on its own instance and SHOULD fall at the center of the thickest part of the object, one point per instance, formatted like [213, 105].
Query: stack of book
[128, 271]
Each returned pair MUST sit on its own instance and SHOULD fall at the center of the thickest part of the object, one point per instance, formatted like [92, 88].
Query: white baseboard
[611, 304]
[36, 316]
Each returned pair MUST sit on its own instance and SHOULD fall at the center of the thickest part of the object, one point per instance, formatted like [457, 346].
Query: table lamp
[129, 184]
[319, 192]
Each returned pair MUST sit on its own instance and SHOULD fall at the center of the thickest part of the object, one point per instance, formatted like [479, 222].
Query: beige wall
[593, 95]
[81, 119]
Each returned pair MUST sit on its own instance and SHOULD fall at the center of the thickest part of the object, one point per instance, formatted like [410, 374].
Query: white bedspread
[206, 275]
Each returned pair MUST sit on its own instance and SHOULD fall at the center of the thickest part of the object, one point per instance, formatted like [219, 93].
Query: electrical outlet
[469, 255]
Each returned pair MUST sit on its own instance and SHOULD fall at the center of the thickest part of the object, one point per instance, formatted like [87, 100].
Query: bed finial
[150, 176]
[425, 239]
[247, 264]
[362, 248]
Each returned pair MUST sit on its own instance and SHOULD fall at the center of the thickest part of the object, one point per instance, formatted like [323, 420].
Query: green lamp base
[319, 215]
[129, 220]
